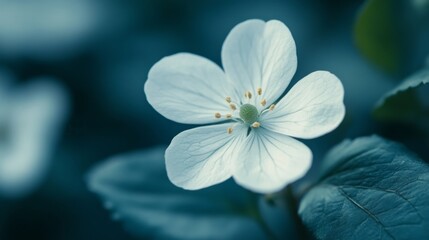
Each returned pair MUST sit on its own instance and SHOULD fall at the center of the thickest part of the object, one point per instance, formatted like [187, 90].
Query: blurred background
[75, 70]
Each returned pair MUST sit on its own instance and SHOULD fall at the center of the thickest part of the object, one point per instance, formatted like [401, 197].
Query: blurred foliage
[378, 35]
[390, 34]
[136, 189]
[403, 103]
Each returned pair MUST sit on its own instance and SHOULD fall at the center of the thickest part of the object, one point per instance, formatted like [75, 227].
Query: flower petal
[187, 88]
[270, 161]
[202, 157]
[313, 107]
[256, 55]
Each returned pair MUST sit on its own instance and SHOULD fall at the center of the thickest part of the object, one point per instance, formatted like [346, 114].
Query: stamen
[263, 102]
[256, 125]
[229, 130]
[272, 107]
[249, 95]
[218, 115]
[228, 99]
[259, 91]
[228, 115]
[232, 106]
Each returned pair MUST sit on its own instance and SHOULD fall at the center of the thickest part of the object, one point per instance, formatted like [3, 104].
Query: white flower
[253, 141]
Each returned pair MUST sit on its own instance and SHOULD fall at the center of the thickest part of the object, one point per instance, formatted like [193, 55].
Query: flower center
[249, 113]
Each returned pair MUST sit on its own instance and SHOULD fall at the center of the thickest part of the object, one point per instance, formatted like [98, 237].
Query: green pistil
[249, 113]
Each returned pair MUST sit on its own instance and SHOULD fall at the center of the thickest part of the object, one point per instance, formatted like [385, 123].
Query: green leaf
[402, 104]
[370, 188]
[378, 35]
[136, 189]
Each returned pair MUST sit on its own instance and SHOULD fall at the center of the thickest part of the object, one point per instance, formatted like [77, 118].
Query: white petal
[203, 156]
[313, 107]
[256, 55]
[35, 115]
[187, 88]
[270, 161]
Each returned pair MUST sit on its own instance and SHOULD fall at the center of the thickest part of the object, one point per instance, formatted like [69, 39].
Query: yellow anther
[229, 130]
[228, 99]
[272, 107]
[218, 115]
[248, 94]
[263, 102]
[232, 106]
[228, 115]
[259, 91]
[256, 125]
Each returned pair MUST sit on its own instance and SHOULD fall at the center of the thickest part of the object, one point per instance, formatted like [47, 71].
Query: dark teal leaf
[378, 35]
[404, 102]
[370, 188]
[136, 189]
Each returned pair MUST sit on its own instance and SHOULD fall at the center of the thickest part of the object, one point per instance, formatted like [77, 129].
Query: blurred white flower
[253, 142]
[420, 5]
[52, 29]
[31, 117]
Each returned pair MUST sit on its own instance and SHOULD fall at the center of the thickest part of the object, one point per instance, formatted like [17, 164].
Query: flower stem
[292, 205]
[265, 227]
